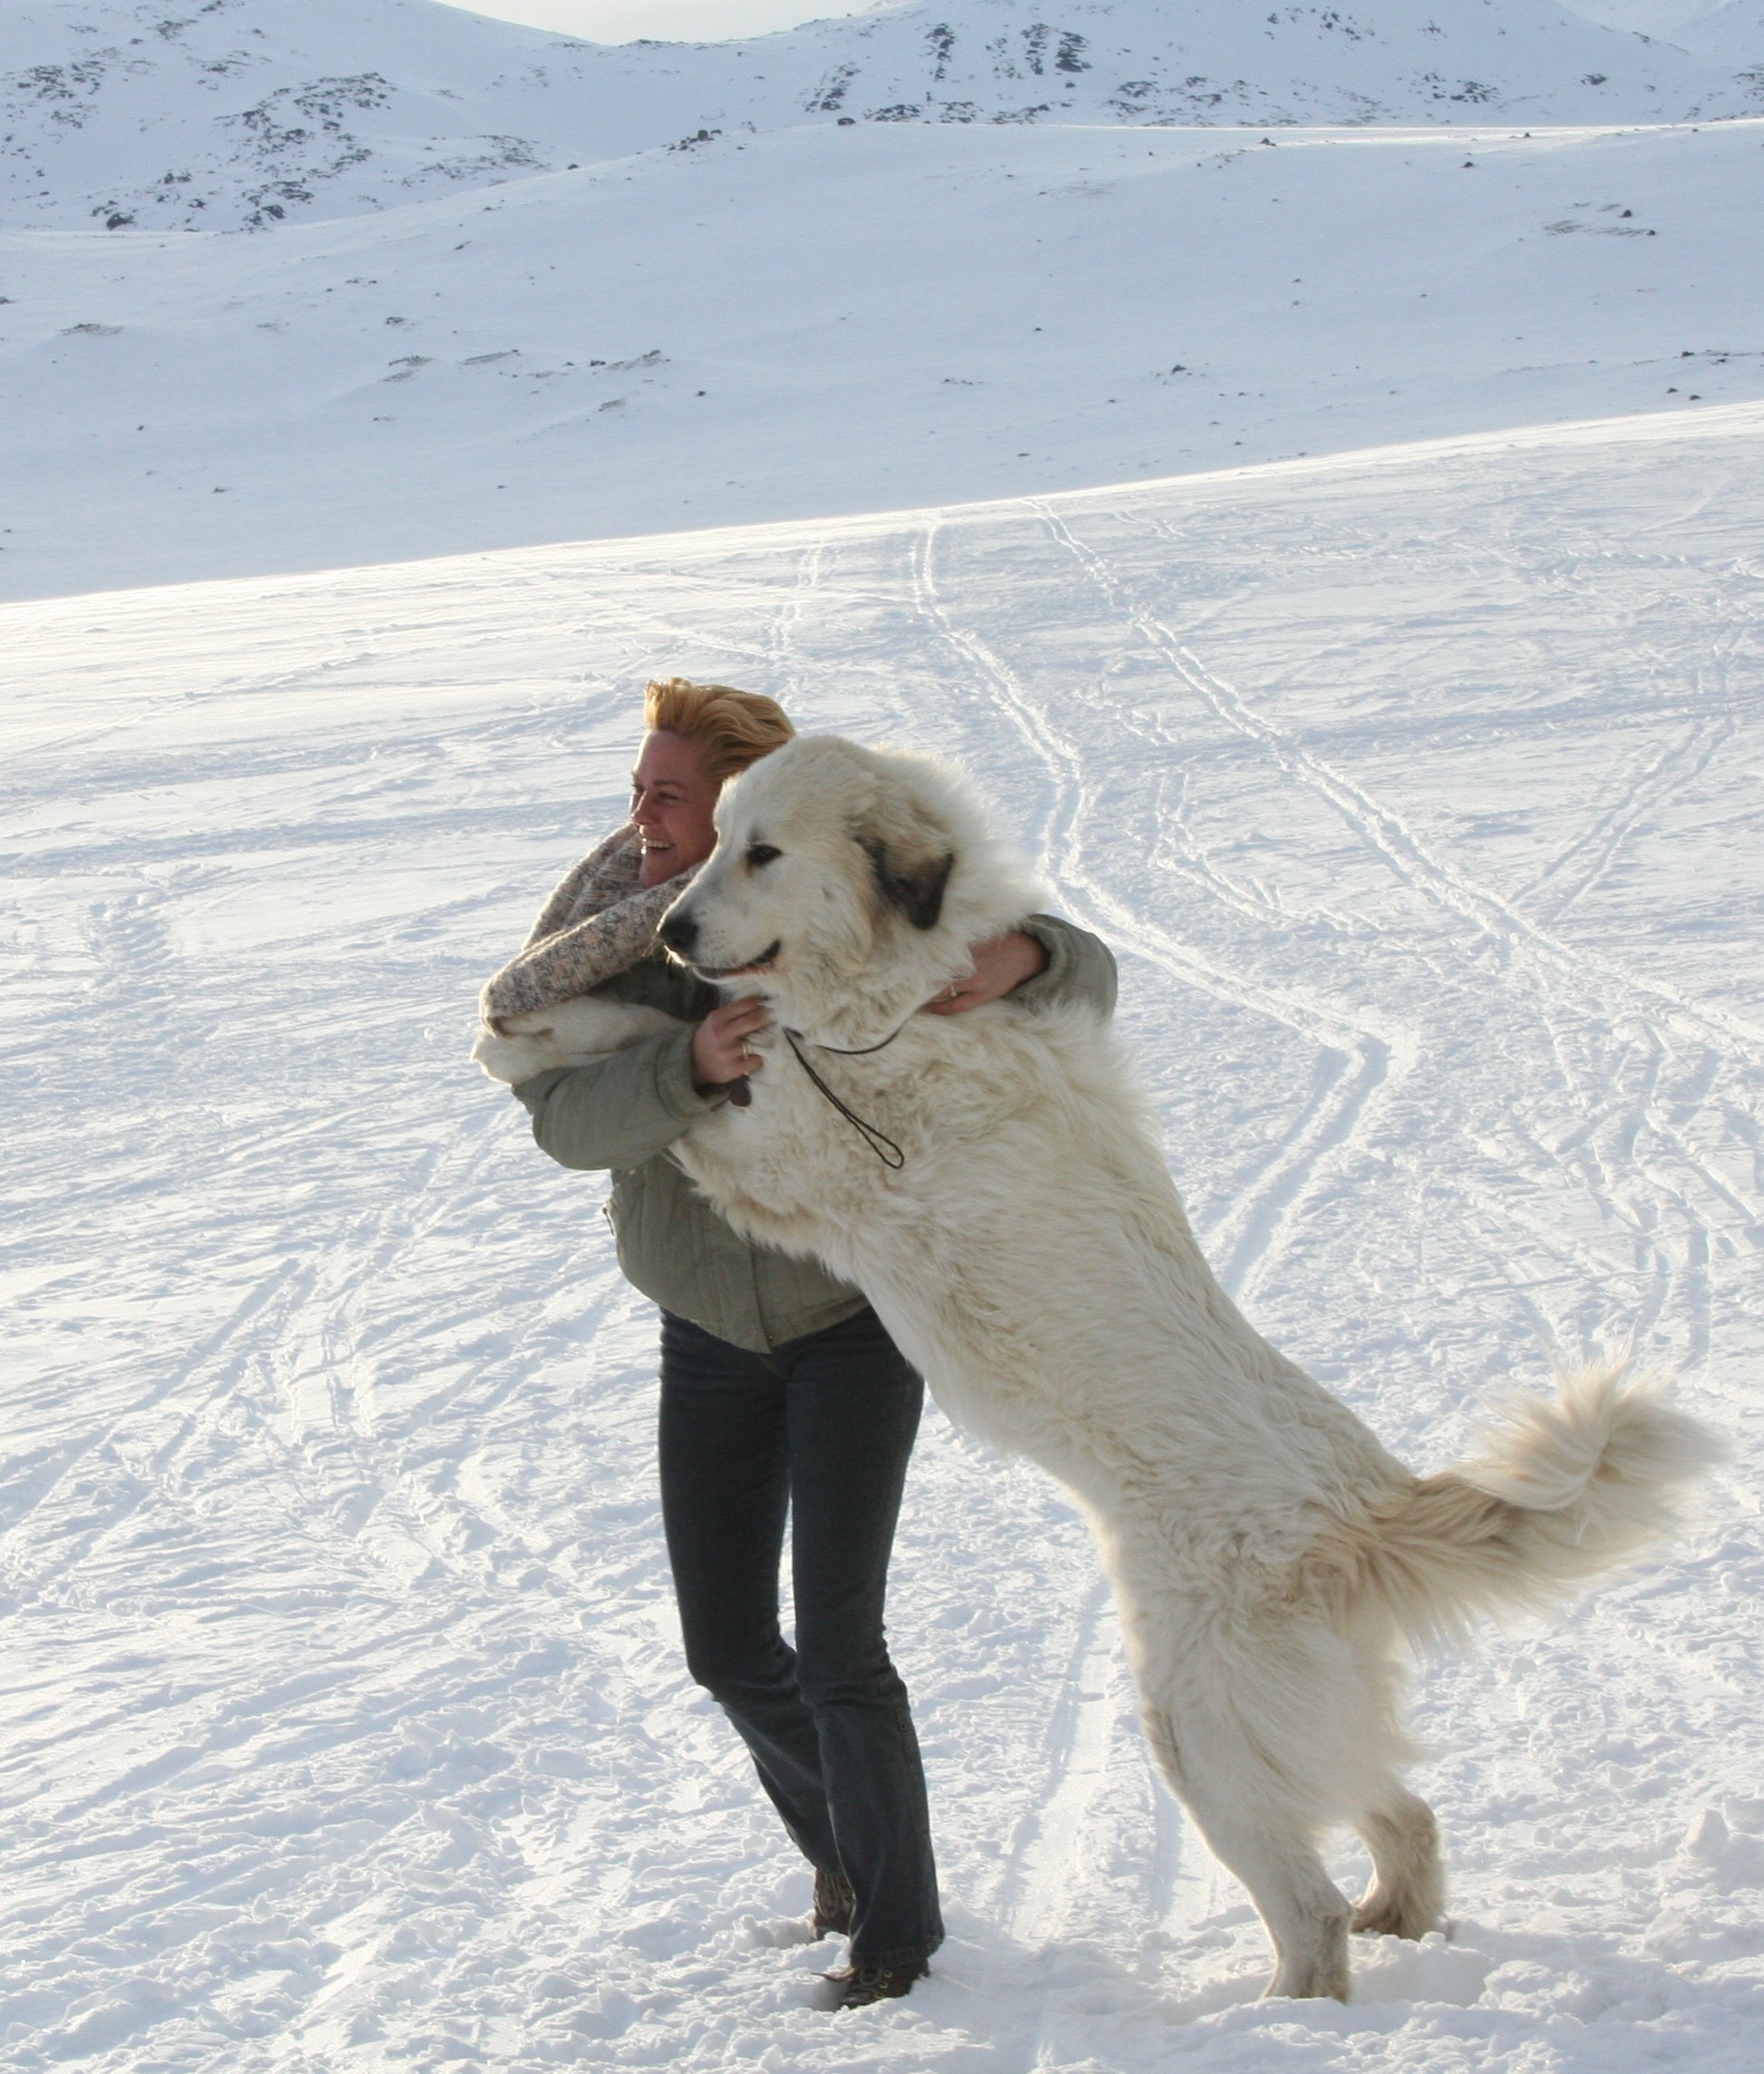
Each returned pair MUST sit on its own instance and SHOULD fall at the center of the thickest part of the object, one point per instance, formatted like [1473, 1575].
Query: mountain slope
[1139, 61]
[836, 320]
[226, 114]
[239, 113]
[1731, 37]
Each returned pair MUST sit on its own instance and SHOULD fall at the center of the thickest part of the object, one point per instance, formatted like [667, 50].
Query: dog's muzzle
[679, 932]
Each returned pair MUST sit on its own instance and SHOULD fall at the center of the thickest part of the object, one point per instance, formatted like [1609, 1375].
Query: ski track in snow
[1417, 792]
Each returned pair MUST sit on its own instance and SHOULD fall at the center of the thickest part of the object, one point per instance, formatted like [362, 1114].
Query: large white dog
[994, 1183]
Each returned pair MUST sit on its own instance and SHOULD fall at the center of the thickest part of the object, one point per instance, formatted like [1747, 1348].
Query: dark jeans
[819, 1429]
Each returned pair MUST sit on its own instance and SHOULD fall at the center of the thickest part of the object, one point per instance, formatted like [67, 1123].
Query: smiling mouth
[762, 963]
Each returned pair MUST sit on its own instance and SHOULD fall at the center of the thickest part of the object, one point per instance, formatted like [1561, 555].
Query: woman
[781, 1396]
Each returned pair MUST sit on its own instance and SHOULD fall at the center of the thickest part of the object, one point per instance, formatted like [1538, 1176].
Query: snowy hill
[228, 114]
[821, 319]
[522, 288]
[1148, 61]
[345, 1727]
[1731, 38]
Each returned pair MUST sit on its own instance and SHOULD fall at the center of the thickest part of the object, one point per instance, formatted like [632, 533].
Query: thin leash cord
[862, 1050]
[879, 1141]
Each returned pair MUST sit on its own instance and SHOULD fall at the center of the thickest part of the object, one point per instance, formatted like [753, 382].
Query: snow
[1729, 37]
[696, 338]
[581, 291]
[1394, 710]
[1664, 18]
[126, 113]
[1418, 791]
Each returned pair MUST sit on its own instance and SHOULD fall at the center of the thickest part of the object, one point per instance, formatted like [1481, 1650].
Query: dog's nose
[679, 932]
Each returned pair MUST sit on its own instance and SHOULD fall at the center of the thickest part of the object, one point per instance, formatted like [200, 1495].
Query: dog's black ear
[910, 856]
[915, 886]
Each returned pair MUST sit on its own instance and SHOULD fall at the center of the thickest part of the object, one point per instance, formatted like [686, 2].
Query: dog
[995, 1183]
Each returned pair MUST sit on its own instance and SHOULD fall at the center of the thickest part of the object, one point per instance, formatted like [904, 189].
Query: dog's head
[840, 868]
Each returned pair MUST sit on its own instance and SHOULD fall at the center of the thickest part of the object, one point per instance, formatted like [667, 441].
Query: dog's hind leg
[1407, 1894]
[1239, 1804]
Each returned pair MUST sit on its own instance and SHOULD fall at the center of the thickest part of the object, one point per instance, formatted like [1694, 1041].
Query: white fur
[569, 1033]
[1033, 1258]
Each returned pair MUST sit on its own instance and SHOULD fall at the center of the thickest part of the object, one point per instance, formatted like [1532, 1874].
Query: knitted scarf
[599, 921]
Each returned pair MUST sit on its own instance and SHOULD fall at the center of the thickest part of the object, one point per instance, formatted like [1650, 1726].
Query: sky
[683, 21]
[622, 21]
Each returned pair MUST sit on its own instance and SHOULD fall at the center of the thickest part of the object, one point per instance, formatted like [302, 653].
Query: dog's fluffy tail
[1563, 1491]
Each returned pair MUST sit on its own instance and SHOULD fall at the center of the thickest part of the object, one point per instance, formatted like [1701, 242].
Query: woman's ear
[912, 858]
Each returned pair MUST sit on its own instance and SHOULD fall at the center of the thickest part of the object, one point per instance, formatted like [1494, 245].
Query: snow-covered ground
[346, 1728]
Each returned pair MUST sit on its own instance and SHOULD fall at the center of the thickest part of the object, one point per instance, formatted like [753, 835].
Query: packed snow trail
[346, 1729]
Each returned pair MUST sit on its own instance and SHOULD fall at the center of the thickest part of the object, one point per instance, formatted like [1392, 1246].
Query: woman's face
[672, 802]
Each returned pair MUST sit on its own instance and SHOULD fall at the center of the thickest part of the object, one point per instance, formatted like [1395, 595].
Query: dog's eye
[760, 853]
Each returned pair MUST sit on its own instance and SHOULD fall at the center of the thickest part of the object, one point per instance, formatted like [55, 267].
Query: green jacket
[624, 1112]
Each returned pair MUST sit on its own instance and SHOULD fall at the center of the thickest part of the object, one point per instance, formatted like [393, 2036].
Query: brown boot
[860, 1985]
[834, 1903]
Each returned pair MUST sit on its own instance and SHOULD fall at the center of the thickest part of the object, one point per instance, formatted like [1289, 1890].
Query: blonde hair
[732, 728]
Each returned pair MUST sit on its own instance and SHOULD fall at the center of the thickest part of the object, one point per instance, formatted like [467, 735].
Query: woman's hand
[720, 1045]
[999, 968]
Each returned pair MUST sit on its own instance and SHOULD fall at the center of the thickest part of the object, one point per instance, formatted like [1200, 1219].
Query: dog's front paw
[510, 1059]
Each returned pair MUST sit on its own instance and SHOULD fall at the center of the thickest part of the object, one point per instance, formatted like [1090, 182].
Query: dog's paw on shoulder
[510, 1059]
[569, 1033]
